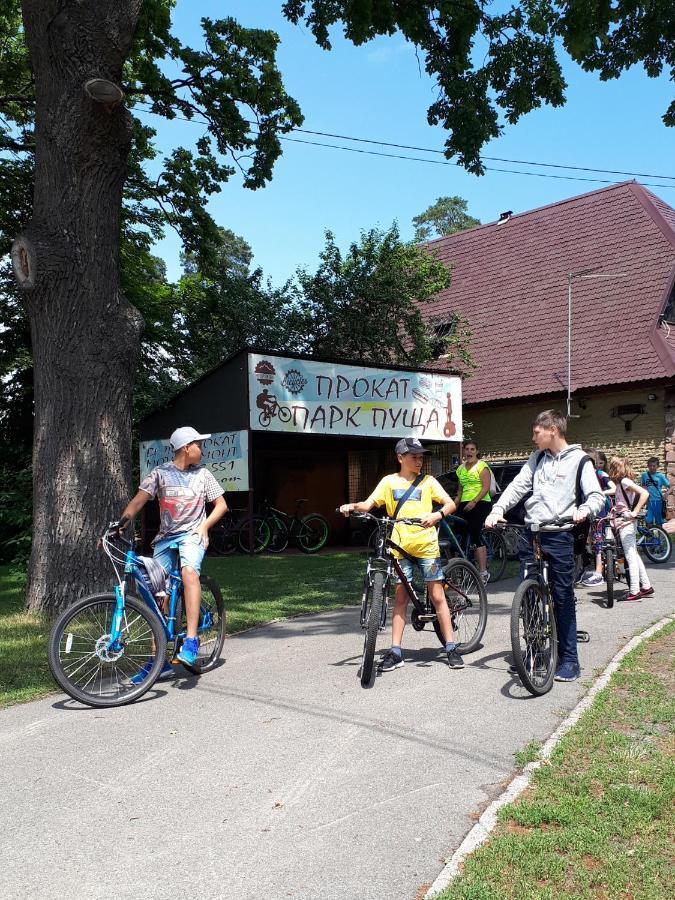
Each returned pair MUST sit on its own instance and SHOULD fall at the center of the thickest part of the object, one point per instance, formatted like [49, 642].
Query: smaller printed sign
[225, 454]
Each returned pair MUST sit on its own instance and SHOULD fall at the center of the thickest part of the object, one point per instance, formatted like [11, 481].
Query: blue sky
[377, 91]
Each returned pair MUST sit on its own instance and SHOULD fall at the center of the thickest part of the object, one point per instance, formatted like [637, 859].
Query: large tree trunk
[85, 335]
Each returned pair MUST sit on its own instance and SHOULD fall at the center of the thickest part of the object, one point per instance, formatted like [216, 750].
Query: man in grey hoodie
[550, 474]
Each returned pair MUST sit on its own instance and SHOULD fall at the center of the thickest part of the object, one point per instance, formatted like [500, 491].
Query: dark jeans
[559, 549]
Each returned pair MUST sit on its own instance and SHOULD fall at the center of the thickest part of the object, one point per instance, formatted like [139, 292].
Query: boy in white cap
[183, 488]
[420, 543]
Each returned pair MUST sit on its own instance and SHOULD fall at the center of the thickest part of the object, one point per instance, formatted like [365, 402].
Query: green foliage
[367, 304]
[493, 62]
[447, 215]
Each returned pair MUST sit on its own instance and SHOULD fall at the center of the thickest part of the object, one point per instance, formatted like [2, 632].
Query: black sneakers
[455, 661]
[390, 661]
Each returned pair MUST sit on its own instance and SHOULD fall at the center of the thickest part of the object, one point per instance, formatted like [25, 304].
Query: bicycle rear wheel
[312, 533]
[211, 628]
[467, 600]
[496, 553]
[608, 561]
[373, 619]
[90, 670]
[534, 637]
[261, 535]
[656, 543]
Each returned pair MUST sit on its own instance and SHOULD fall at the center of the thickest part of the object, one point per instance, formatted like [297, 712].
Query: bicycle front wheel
[373, 619]
[511, 536]
[261, 535]
[534, 637]
[467, 601]
[93, 669]
[211, 628]
[312, 533]
[656, 543]
[609, 575]
[496, 553]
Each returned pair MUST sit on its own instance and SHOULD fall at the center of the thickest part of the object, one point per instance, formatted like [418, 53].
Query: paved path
[277, 775]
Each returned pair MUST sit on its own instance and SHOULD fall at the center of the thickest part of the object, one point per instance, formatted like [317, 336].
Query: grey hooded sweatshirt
[553, 485]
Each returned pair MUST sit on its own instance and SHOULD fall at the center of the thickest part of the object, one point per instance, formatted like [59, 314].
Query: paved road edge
[480, 832]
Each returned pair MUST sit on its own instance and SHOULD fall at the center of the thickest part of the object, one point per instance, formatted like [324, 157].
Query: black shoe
[455, 661]
[390, 661]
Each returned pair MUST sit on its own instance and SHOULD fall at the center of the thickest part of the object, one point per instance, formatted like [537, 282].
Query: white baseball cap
[184, 436]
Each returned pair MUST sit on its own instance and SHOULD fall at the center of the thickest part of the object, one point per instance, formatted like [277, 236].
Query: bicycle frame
[132, 576]
[384, 560]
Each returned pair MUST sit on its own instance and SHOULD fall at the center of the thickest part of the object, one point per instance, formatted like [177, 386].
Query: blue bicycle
[109, 649]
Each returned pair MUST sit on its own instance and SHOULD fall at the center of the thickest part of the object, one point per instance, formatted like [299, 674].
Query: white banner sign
[307, 397]
[225, 454]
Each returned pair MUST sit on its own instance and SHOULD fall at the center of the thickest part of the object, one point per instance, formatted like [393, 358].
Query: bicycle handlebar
[383, 519]
[568, 520]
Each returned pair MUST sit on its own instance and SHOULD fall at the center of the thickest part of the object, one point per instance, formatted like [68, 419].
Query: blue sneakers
[189, 651]
[139, 677]
[568, 671]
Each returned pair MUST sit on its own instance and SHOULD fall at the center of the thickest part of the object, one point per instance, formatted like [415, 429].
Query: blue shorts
[190, 548]
[431, 569]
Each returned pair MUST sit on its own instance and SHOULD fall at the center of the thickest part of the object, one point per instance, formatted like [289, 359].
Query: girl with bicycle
[629, 501]
[474, 502]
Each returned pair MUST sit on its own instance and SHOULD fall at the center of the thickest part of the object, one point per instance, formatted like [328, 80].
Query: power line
[198, 121]
[438, 162]
[520, 162]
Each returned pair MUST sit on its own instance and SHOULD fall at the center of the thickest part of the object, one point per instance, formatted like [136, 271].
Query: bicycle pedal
[583, 637]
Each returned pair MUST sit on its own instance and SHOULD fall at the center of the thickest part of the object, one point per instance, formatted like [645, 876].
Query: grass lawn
[598, 822]
[255, 591]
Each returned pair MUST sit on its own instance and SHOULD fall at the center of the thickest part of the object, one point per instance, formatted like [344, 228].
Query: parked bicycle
[454, 540]
[100, 647]
[309, 533]
[534, 636]
[653, 541]
[224, 535]
[463, 586]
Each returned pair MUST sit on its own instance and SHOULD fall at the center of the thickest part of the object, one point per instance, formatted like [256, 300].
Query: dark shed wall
[217, 402]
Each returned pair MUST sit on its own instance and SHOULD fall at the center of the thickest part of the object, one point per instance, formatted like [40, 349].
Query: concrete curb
[480, 832]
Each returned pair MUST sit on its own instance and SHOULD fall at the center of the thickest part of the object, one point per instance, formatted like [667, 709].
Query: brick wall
[503, 431]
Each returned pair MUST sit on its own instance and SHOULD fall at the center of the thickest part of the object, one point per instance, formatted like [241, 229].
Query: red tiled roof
[511, 282]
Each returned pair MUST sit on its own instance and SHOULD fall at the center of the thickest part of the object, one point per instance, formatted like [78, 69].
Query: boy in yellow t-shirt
[420, 542]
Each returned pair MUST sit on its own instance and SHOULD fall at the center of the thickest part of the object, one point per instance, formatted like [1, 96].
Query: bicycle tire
[312, 533]
[222, 540]
[497, 553]
[467, 600]
[279, 535]
[537, 665]
[211, 638]
[261, 535]
[373, 620]
[284, 414]
[86, 644]
[658, 534]
[609, 576]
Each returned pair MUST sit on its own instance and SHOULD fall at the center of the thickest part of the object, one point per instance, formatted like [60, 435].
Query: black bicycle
[534, 635]
[464, 592]
[309, 533]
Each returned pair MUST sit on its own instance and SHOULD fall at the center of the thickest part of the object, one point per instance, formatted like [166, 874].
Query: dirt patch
[514, 828]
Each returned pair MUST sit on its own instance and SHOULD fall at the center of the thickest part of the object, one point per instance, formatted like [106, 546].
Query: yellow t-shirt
[419, 542]
[470, 482]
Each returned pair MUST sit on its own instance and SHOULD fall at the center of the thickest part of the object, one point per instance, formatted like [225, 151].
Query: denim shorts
[431, 569]
[190, 548]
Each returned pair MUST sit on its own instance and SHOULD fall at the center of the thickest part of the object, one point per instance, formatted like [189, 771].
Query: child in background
[592, 579]
[657, 484]
[630, 500]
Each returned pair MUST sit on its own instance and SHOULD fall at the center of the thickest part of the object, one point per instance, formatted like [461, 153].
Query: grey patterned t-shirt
[182, 494]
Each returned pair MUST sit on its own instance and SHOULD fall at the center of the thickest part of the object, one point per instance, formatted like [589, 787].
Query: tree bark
[85, 335]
